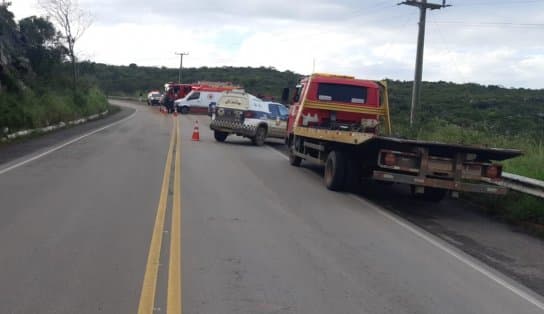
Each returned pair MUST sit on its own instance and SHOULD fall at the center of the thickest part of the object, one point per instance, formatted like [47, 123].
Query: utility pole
[423, 5]
[181, 54]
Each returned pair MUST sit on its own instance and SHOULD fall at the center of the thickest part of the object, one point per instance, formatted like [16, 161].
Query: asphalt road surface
[88, 228]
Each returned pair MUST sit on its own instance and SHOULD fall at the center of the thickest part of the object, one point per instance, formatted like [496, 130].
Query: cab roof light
[334, 75]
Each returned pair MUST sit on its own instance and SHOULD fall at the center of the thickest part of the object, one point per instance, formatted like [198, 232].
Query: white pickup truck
[243, 114]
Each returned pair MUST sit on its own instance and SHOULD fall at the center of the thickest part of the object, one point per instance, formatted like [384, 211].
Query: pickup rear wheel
[335, 170]
[260, 136]
[220, 136]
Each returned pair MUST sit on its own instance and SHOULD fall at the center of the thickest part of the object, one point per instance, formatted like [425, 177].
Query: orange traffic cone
[196, 133]
[175, 112]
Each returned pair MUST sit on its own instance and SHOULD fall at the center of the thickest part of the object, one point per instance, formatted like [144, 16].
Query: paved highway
[88, 228]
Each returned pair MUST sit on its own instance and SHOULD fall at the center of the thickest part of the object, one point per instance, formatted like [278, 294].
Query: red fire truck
[343, 124]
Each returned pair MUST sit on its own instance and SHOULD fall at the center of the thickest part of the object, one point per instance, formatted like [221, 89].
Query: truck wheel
[335, 170]
[294, 160]
[430, 194]
[260, 136]
[184, 110]
[220, 136]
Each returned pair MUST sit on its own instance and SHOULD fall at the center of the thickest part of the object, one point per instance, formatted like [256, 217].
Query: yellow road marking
[147, 296]
[174, 301]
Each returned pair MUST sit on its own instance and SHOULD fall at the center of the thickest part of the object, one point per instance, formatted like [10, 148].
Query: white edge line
[422, 234]
[24, 162]
[277, 152]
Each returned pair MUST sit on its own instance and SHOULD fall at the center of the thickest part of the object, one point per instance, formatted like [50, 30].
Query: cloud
[371, 39]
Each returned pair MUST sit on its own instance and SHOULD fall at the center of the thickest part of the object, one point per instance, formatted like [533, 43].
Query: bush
[439, 130]
[514, 207]
[26, 110]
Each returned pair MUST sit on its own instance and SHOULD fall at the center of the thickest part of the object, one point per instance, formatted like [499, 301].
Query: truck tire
[294, 160]
[260, 136]
[335, 170]
[430, 194]
[184, 110]
[220, 136]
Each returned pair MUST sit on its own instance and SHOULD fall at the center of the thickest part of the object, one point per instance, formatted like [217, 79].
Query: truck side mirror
[285, 95]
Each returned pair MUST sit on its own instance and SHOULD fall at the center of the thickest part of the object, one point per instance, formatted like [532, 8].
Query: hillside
[490, 109]
[133, 79]
[34, 77]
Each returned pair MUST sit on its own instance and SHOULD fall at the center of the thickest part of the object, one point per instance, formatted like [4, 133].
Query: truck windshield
[341, 93]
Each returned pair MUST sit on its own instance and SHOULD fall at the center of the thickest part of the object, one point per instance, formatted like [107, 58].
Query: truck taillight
[390, 159]
[493, 171]
[249, 114]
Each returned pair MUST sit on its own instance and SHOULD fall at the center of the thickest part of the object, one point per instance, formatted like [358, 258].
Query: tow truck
[343, 124]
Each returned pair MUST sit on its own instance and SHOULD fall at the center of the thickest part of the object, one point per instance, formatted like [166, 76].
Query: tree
[42, 44]
[72, 21]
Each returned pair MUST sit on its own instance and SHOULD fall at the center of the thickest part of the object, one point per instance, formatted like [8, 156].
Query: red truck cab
[326, 92]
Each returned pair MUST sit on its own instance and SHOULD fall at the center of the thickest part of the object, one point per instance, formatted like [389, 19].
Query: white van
[198, 100]
[240, 113]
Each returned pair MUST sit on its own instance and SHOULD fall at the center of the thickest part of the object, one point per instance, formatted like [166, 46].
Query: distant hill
[491, 109]
[133, 79]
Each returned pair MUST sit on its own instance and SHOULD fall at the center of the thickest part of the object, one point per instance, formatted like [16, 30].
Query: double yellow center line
[149, 287]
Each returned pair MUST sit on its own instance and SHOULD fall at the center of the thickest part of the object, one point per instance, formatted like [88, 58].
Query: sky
[491, 42]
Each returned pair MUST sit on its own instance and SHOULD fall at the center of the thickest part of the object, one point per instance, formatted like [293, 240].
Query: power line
[495, 3]
[488, 24]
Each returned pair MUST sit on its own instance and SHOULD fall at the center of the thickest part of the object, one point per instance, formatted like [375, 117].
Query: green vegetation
[514, 207]
[36, 87]
[29, 110]
[132, 80]
[476, 115]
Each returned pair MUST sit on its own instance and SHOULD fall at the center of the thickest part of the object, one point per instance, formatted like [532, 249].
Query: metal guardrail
[523, 184]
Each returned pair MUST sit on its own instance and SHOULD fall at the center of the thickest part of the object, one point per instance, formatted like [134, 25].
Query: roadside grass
[28, 110]
[519, 209]
[516, 208]
[529, 165]
[112, 109]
